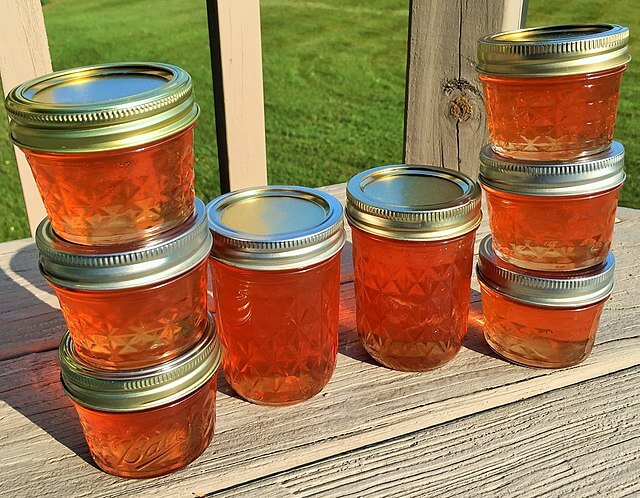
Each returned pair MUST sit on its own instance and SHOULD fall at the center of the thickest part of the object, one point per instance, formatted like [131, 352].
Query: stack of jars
[552, 175]
[125, 248]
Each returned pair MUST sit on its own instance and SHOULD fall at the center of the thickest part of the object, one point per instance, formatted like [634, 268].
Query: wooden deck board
[42, 451]
[582, 438]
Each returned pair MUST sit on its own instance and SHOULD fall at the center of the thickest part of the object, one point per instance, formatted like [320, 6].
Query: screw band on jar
[437, 203]
[252, 231]
[120, 267]
[553, 289]
[125, 391]
[101, 107]
[596, 173]
[554, 50]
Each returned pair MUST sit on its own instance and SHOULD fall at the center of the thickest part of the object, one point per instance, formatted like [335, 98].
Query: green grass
[333, 79]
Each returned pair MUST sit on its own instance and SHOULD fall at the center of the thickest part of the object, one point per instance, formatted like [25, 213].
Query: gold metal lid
[554, 50]
[410, 202]
[587, 175]
[101, 107]
[135, 390]
[276, 227]
[552, 289]
[77, 266]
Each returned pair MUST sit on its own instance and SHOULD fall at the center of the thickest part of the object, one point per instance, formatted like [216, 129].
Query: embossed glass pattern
[140, 326]
[552, 233]
[153, 442]
[412, 298]
[102, 198]
[539, 336]
[278, 329]
[552, 118]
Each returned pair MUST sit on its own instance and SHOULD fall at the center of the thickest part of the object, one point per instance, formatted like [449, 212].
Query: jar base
[269, 397]
[415, 363]
[540, 353]
[549, 265]
[545, 156]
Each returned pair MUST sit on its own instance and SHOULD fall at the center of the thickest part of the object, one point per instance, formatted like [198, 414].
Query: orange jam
[133, 307]
[110, 147]
[148, 422]
[551, 93]
[275, 267]
[413, 230]
[541, 319]
[553, 216]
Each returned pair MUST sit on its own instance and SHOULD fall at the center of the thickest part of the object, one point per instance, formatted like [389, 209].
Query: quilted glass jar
[110, 147]
[551, 93]
[131, 306]
[413, 229]
[553, 216]
[148, 422]
[275, 266]
[541, 319]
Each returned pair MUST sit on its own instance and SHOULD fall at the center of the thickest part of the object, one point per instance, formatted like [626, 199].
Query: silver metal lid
[553, 289]
[101, 107]
[134, 390]
[77, 266]
[554, 50]
[591, 174]
[275, 227]
[411, 202]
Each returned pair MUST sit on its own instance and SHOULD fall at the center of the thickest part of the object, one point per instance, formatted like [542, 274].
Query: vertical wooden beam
[236, 63]
[444, 109]
[24, 54]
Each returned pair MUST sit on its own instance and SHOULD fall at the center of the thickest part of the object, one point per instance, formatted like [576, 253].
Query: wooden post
[444, 109]
[236, 63]
[24, 54]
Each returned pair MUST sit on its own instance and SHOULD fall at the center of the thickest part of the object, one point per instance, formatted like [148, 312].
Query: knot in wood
[460, 108]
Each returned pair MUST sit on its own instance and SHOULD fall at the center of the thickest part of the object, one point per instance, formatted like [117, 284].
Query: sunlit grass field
[334, 74]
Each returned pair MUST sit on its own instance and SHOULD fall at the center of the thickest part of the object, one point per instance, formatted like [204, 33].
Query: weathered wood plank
[444, 109]
[236, 64]
[24, 54]
[581, 440]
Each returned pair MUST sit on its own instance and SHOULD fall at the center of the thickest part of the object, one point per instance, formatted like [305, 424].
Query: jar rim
[554, 50]
[275, 227]
[567, 289]
[101, 107]
[142, 389]
[413, 202]
[125, 266]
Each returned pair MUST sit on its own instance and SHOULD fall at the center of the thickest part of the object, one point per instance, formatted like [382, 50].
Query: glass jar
[541, 319]
[413, 230]
[275, 266]
[551, 93]
[149, 422]
[553, 216]
[110, 147]
[131, 306]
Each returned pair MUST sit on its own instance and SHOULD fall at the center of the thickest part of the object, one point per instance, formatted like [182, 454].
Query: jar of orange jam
[551, 93]
[275, 266]
[148, 422]
[413, 230]
[541, 319]
[133, 305]
[110, 147]
[554, 215]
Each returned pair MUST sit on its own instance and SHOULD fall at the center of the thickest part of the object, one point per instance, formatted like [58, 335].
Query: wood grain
[24, 54]
[581, 440]
[236, 64]
[444, 108]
